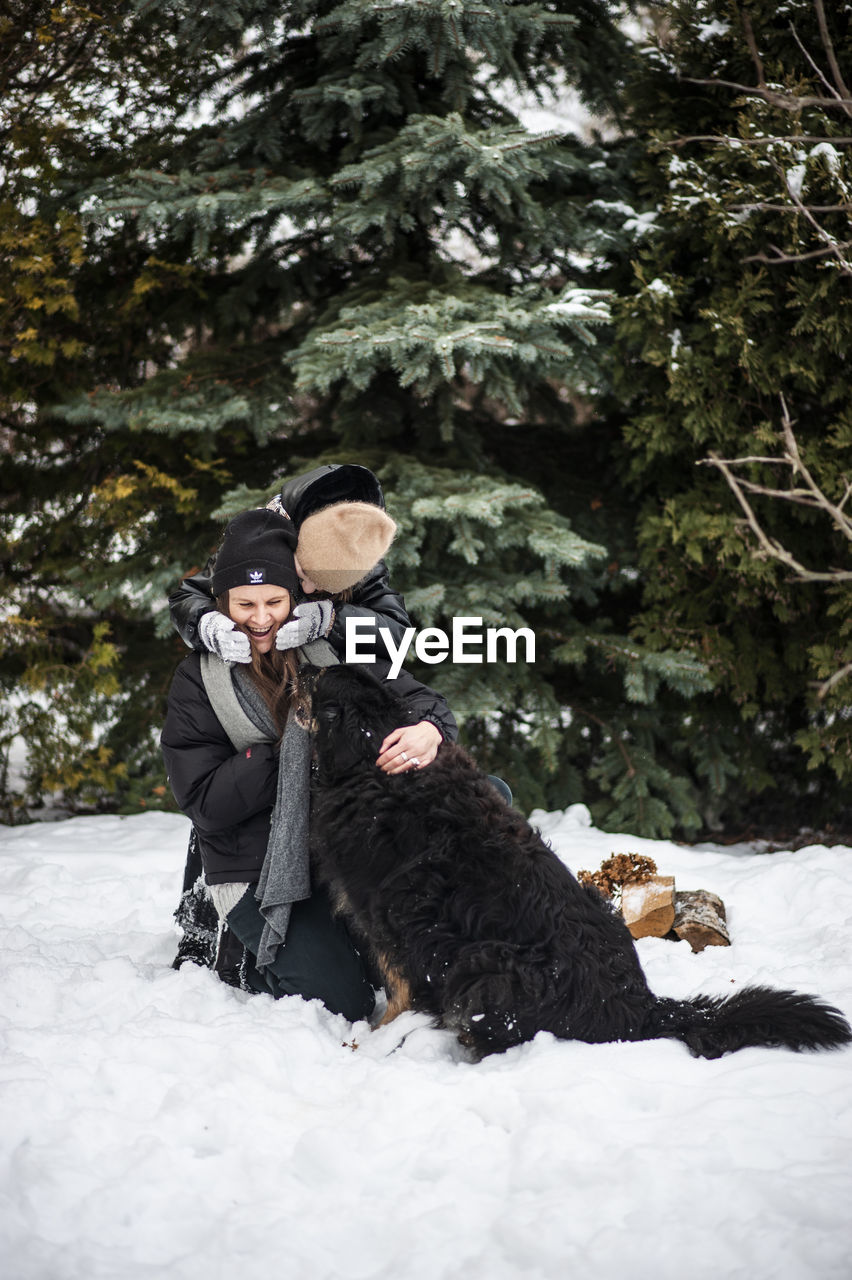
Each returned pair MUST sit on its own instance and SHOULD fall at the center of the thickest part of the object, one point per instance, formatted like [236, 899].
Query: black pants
[317, 961]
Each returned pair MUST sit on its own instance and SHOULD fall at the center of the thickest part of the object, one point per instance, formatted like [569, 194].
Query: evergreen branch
[607, 728]
[553, 351]
[530, 140]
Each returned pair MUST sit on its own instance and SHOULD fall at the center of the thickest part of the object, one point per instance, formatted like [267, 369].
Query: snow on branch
[840, 97]
[795, 169]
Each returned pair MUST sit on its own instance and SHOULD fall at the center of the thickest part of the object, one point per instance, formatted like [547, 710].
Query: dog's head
[353, 712]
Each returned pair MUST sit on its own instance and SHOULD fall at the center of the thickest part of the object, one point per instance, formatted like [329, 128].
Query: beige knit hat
[340, 544]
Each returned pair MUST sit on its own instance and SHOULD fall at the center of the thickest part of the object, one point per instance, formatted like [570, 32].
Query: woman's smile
[259, 611]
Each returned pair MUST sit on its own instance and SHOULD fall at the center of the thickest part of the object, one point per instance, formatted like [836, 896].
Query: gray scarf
[245, 717]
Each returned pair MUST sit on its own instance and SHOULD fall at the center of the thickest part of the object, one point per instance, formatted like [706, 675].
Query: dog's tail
[755, 1016]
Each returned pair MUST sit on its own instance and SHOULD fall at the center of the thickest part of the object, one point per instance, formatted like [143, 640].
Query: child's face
[308, 586]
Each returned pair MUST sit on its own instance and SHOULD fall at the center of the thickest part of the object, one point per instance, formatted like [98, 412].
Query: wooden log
[700, 920]
[649, 907]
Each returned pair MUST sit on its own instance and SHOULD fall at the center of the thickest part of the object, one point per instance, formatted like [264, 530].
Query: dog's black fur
[469, 916]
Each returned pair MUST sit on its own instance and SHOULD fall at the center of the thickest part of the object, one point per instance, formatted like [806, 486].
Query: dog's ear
[363, 698]
[347, 735]
[308, 676]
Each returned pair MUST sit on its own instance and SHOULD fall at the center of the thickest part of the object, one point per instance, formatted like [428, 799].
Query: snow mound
[158, 1123]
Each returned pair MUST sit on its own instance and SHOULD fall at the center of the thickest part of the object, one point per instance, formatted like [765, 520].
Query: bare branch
[752, 48]
[730, 140]
[781, 98]
[809, 494]
[801, 497]
[817, 69]
[770, 548]
[763, 207]
[834, 510]
[780, 256]
[843, 92]
[837, 248]
[741, 462]
[826, 686]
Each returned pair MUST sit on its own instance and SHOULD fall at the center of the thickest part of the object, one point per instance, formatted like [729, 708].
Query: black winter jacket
[371, 598]
[229, 795]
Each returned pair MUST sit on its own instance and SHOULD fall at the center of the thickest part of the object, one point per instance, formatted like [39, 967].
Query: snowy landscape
[574, 278]
[157, 1123]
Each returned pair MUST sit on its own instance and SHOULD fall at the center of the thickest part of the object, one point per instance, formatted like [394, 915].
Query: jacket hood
[333, 482]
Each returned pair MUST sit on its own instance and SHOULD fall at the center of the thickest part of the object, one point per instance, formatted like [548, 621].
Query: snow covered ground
[156, 1123]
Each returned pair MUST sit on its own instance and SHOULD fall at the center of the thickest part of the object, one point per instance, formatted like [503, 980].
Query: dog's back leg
[397, 989]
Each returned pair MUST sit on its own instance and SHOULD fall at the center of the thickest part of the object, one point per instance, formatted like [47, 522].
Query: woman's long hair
[276, 674]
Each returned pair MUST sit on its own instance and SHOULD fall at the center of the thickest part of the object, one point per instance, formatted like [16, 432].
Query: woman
[311, 501]
[237, 752]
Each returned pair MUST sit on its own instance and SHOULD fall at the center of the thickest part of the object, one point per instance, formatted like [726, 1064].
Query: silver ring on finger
[415, 760]
[404, 756]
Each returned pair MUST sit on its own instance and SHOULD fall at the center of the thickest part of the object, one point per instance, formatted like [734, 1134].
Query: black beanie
[257, 549]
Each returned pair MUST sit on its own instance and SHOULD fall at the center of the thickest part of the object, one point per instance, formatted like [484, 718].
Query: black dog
[469, 916]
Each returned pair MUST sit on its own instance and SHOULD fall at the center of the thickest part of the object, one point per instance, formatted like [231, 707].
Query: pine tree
[740, 307]
[354, 250]
[78, 89]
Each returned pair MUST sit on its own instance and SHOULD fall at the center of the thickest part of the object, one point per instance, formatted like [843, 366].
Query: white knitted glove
[220, 636]
[310, 620]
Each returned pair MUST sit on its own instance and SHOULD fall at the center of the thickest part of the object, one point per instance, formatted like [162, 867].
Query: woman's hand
[412, 747]
[310, 620]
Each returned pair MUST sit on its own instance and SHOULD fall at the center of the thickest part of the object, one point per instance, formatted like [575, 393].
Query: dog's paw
[412, 1035]
[432, 1044]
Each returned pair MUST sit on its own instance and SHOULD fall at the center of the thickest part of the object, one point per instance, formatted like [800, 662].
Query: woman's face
[260, 611]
